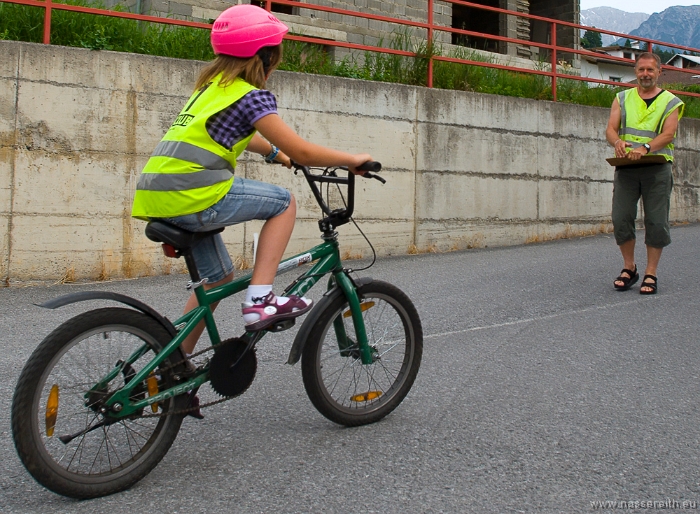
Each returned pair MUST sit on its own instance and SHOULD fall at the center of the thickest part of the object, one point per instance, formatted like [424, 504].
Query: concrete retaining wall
[463, 170]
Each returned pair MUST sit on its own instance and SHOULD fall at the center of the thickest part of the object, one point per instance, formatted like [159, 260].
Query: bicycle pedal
[282, 325]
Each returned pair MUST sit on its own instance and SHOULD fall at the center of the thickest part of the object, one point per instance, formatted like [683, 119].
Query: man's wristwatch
[647, 146]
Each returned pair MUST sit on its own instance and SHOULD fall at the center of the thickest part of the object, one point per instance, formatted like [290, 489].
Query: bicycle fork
[356, 309]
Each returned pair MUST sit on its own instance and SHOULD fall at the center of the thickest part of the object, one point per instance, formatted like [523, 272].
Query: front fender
[116, 297]
[312, 319]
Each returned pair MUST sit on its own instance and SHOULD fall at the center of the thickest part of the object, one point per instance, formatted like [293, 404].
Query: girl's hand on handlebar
[283, 159]
[357, 161]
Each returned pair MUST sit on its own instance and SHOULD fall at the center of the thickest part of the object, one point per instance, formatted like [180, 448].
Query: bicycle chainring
[232, 369]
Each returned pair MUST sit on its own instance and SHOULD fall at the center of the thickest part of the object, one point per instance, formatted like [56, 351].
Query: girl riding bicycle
[188, 181]
[102, 398]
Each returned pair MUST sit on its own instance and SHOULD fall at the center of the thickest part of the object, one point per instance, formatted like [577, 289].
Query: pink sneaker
[259, 316]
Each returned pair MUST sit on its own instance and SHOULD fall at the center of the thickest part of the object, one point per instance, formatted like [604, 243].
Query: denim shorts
[246, 200]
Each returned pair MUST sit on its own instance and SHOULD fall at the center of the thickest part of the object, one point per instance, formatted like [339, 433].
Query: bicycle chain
[191, 409]
[186, 411]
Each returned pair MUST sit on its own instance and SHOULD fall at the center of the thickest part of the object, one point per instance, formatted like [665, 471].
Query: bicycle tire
[335, 378]
[74, 357]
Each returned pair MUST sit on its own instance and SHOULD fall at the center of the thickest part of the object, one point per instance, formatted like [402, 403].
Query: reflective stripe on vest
[675, 102]
[181, 181]
[648, 121]
[188, 152]
[188, 171]
[216, 169]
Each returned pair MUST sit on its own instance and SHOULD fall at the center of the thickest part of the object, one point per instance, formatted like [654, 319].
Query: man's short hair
[649, 55]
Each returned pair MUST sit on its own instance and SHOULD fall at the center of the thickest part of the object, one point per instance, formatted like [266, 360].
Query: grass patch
[312, 58]
[25, 23]
[479, 79]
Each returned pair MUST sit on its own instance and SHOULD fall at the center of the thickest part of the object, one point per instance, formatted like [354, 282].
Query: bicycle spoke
[128, 439]
[107, 444]
[133, 432]
[78, 449]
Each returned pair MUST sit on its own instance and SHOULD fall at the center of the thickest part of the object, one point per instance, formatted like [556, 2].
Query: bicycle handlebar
[371, 166]
[338, 217]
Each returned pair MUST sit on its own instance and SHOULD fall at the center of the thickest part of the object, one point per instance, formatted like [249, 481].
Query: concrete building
[601, 67]
[684, 61]
[337, 27]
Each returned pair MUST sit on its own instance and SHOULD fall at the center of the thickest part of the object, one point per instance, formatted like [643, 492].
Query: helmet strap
[265, 54]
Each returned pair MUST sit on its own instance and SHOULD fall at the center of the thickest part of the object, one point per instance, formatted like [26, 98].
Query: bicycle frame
[327, 260]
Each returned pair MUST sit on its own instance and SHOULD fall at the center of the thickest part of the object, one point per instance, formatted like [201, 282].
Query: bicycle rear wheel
[338, 384]
[50, 403]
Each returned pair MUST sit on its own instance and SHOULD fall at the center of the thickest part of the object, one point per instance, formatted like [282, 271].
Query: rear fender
[64, 300]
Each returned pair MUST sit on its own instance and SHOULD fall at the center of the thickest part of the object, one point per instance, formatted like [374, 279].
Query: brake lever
[367, 174]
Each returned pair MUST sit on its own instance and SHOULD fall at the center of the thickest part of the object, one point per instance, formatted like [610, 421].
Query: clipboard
[645, 159]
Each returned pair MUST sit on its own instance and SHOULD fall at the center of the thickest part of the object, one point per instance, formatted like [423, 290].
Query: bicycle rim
[116, 453]
[341, 387]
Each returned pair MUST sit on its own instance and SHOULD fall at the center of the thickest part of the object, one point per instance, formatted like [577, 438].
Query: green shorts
[654, 184]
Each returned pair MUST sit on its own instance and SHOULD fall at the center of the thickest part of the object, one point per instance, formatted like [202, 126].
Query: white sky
[647, 6]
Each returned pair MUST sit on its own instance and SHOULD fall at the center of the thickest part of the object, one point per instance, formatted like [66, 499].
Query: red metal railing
[429, 26]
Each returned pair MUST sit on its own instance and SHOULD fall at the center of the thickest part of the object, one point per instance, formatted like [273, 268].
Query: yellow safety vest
[640, 124]
[189, 171]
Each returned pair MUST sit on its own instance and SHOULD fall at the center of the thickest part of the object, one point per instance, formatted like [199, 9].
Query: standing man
[643, 121]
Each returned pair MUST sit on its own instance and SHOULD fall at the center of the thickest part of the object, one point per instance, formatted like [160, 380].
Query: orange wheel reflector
[366, 397]
[152, 383]
[51, 410]
[363, 307]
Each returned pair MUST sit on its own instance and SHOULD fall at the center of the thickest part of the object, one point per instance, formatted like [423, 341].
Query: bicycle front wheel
[339, 385]
[63, 439]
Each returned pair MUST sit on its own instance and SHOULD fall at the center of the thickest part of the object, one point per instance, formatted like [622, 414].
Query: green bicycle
[101, 399]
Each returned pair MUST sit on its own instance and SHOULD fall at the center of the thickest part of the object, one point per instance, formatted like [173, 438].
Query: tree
[664, 54]
[591, 39]
[628, 43]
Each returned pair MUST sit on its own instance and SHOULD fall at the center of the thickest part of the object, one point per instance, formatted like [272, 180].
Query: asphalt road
[541, 390]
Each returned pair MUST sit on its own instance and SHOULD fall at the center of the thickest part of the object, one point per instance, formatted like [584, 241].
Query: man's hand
[637, 153]
[621, 149]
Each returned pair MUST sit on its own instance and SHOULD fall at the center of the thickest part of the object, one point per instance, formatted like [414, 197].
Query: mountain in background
[609, 18]
[679, 25]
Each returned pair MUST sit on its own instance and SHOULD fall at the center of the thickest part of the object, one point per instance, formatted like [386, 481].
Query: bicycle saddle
[180, 239]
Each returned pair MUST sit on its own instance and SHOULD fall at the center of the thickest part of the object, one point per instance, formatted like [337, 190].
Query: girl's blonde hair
[251, 69]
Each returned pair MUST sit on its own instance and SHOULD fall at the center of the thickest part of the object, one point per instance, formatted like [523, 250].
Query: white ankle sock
[257, 291]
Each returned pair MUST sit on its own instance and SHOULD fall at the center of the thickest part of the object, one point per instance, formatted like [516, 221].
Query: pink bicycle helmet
[242, 30]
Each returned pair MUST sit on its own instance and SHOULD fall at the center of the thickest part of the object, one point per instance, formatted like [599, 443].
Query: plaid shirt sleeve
[235, 122]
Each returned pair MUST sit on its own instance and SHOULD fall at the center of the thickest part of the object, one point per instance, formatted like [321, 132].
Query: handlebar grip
[370, 166]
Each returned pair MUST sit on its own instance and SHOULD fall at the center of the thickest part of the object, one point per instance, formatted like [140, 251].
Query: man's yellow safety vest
[640, 124]
[189, 171]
